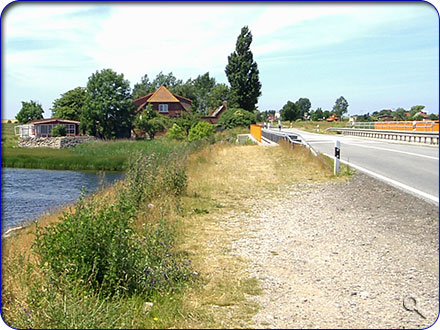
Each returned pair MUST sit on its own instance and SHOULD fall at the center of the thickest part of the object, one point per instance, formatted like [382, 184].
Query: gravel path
[340, 255]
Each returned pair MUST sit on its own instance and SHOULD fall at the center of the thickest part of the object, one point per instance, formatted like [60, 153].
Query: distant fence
[413, 126]
[255, 131]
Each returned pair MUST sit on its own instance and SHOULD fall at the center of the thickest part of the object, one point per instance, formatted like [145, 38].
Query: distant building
[333, 117]
[215, 115]
[43, 127]
[385, 118]
[164, 102]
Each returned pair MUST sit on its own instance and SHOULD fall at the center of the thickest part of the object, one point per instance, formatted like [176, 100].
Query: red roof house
[165, 102]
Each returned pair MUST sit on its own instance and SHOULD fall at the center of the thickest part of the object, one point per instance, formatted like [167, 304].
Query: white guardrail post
[337, 167]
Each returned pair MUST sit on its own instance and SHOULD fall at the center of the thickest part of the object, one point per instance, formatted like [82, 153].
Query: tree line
[301, 110]
[105, 106]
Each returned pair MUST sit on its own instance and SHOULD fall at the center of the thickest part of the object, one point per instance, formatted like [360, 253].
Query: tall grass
[96, 155]
[107, 257]
[9, 140]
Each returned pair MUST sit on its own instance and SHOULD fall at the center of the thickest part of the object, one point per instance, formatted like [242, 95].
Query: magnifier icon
[410, 304]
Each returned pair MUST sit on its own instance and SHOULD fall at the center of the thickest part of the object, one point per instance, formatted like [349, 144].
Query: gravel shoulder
[339, 255]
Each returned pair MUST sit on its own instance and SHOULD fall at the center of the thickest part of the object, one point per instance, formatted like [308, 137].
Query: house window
[163, 107]
[70, 129]
[43, 129]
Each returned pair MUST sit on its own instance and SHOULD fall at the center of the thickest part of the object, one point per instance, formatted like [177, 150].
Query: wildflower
[150, 206]
[155, 319]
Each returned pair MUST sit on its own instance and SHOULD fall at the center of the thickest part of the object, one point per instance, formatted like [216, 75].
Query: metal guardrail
[420, 126]
[292, 138]
[406, 136]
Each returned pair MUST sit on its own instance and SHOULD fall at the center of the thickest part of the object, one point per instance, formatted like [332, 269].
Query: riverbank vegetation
[110, 261]
[153, 251]
[111, 155]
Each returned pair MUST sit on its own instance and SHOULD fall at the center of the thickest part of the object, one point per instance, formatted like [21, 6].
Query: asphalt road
[414, 168]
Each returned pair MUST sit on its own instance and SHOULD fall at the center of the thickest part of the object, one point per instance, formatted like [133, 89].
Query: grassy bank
[97, 155]
[315, 126]
[110, 261]
[156, 251]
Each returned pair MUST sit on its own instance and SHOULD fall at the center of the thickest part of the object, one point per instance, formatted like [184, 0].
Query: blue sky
[376, 55]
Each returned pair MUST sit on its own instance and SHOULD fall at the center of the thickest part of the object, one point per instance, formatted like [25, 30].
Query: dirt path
[341, 255]
[326, 252]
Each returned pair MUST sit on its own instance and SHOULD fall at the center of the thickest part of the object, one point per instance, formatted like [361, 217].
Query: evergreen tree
[242, 72]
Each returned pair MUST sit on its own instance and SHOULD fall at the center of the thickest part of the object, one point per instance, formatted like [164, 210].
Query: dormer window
[163, 108]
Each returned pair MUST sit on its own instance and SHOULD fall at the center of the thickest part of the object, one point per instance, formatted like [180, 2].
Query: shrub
[202, 130]
[187, 120]
[97, 244]
[176, 132]
[59, 130]
[236, 117]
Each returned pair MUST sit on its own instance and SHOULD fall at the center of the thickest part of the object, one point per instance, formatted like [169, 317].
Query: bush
[176, 132]
[236, 117]
[59, 130]
[202, 130]
[97, 244]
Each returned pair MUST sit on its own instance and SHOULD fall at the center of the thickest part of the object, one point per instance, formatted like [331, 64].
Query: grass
[98, 263]
[312, 126]
[9, 140]
[97, 155]
[222, 181]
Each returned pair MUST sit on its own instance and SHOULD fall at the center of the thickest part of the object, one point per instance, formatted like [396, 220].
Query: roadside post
[337, 157]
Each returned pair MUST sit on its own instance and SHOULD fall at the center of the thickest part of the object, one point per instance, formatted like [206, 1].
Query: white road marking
[392, 150]
[391, 181]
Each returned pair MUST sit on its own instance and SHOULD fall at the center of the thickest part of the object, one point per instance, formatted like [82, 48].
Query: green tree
[290, 111]
[187, 120]
[202, 130]
[433, 116]
[29, 111]
[218, 94]
[70, 104]
[316, 115]
[416, 108]
[203, 85]
[340, 107]
[242, 72]
[145, 87]
[108, 107]
[176, 132]
[142, 88]
[59, 130]
[399, 114]
[304, 106]
[234, 117]
[327, 114]
[150, 122]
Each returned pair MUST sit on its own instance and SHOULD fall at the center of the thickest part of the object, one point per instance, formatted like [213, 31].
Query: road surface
[414, 168]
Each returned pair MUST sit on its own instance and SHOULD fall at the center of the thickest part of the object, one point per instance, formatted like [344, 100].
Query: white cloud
[187, 39]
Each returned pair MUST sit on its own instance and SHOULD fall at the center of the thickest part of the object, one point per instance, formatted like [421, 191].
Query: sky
[376, 55]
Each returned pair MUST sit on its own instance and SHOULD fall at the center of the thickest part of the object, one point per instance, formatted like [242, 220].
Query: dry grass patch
[222, 179]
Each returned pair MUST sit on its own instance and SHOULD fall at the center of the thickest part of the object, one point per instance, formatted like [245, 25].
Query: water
[27, 194]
